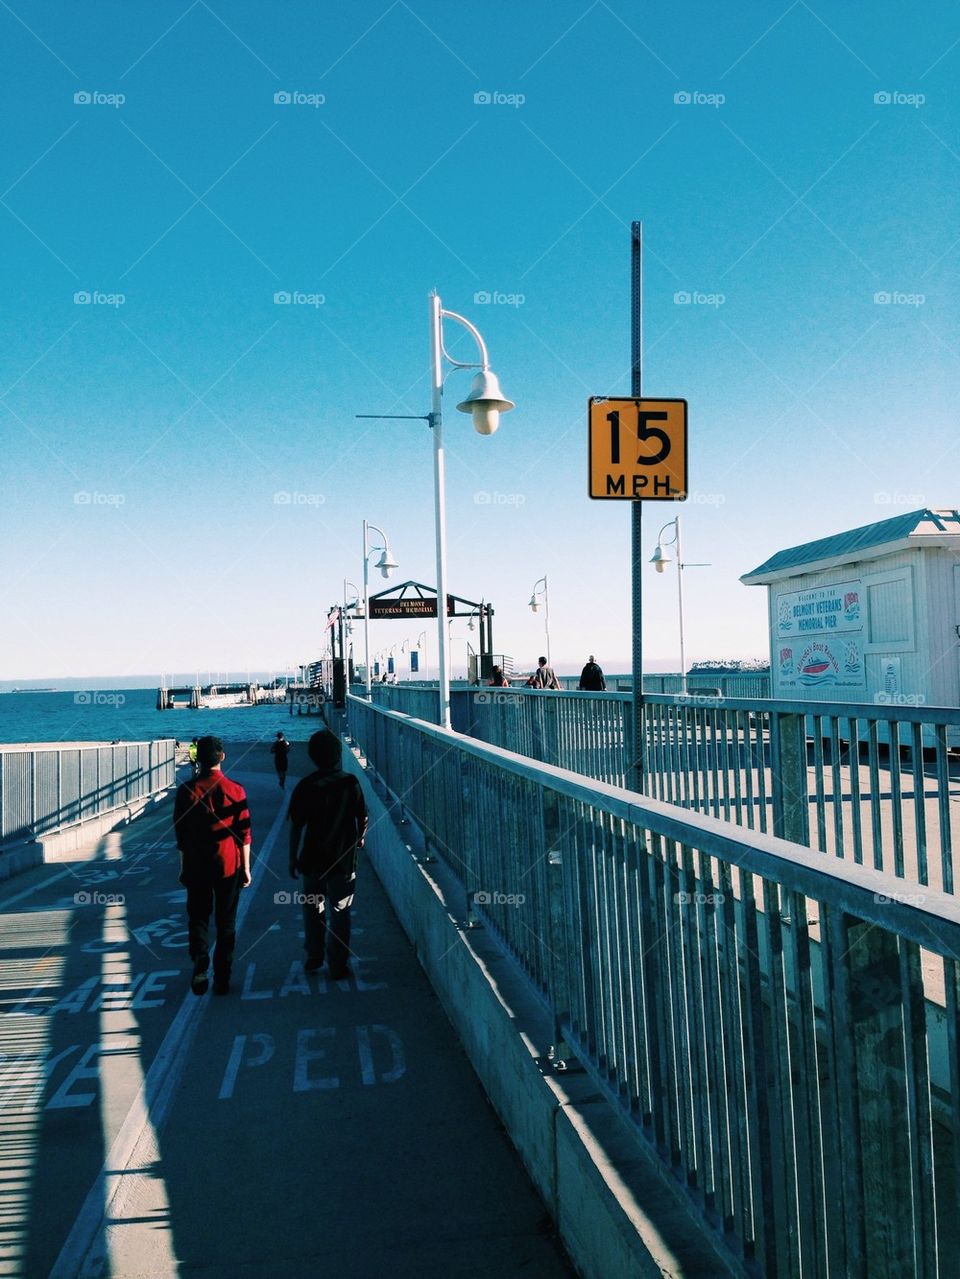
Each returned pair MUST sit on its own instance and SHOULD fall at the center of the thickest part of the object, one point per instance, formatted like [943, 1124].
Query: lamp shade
[486, 402]
[659, 559]
[386, 563]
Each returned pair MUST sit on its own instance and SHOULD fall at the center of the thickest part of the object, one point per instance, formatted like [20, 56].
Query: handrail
[759, 1012]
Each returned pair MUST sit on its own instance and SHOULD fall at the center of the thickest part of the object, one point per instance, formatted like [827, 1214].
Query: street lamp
[485, 402]
[659, 559]
[535, 606]
[386, 564]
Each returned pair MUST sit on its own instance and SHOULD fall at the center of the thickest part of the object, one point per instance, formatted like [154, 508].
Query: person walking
[280, 750]
[544, 676]
[328, 822]
[192, 757]
[211, 821]
[591, 677]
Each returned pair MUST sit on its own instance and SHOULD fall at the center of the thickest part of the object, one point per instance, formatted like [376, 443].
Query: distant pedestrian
[280, 750]
[591, 677]
[192, 757]
[498, 679]
[328, 821]
[212, 825]
[544, 676]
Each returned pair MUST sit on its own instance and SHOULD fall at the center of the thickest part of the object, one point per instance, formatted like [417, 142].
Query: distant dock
[216, 696]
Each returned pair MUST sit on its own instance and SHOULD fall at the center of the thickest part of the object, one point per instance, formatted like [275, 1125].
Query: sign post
[637, 452]
[636, 509]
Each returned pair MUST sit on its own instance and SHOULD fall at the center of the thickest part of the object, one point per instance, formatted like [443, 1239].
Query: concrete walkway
[295, 1126]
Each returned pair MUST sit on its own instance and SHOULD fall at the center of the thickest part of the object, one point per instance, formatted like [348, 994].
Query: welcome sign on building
[819, 635]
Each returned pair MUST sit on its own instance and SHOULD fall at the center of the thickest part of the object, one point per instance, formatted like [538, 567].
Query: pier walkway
[296, 1126]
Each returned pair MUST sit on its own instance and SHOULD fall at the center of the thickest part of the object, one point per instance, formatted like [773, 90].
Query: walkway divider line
[83, 1251]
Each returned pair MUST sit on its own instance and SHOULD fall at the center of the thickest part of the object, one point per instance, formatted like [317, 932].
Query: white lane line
[84, 1249]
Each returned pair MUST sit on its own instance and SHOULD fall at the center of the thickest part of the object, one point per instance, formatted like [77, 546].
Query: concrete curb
[616, 1211]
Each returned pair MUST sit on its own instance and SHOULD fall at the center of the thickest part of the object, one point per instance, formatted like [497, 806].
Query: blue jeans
[328, 911]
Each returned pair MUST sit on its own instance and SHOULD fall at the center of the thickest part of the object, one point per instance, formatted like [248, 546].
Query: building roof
[912, 529]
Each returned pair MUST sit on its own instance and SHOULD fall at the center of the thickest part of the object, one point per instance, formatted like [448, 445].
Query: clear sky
[793, 167]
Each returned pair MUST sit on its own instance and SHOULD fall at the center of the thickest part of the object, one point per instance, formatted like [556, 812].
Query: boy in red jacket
[212, 825]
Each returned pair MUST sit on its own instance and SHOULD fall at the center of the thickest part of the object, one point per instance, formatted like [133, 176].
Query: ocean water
[130, 715]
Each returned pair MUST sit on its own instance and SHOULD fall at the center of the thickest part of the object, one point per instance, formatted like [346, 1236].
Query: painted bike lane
[296, 1122]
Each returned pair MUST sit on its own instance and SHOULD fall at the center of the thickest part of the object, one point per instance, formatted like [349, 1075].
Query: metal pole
[546, 618]
[436, 425]
[683, 661]
[636, 508]
[366, 613]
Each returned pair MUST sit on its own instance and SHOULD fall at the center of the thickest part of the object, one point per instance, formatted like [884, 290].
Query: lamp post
[485, 402]
[535, 606]
[659, 559]
[386, 564]
[350, 607]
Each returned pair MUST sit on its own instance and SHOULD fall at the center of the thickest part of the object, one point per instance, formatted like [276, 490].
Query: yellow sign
[638, 449]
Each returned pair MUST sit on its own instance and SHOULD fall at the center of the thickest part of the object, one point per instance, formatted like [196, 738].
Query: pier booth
[871, 615]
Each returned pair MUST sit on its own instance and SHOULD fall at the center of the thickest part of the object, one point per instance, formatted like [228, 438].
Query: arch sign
[637, 449]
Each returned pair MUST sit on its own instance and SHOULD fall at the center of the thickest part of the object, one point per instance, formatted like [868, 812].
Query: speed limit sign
[637, 449]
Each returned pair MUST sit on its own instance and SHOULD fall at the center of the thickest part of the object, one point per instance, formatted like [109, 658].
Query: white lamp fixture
[660, 559]
[486, 401]
[386, 564]
[535, 607]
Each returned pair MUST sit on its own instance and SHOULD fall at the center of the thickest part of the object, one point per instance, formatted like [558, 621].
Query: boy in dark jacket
[328, 821]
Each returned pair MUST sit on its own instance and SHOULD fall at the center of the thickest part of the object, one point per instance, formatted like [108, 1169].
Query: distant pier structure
[311, 695]
[208, 696]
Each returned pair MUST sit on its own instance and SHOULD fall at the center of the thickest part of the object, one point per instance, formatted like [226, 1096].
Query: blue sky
[793, 167]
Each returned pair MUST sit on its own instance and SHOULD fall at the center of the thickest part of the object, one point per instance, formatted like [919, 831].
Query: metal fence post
[868, 1019]
[556, 930]
[788, 774]
[551, 731]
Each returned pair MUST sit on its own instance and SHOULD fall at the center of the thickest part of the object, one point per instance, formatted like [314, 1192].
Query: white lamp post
[485, 402]
[535, 606]
[350, 607]
[386, 564]
[659, 559]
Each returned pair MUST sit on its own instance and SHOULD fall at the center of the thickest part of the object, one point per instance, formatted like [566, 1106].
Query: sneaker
[313, 965]
[199, 981]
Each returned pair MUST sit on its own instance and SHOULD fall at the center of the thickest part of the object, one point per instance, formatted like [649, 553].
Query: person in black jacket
[591, 677]
[328, 821]
[280, 750]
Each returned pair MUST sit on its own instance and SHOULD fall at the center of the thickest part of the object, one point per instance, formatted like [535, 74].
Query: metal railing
[742, 685]
[46, 787]
[870, 784]
[761, 1014]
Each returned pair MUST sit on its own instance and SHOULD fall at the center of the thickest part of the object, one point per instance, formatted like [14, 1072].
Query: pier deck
[294, 1125]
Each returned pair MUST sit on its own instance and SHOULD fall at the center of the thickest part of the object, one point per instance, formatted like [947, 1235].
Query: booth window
[890, 611]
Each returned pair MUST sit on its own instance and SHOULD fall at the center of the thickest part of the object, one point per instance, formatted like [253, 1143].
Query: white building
[870, 615]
